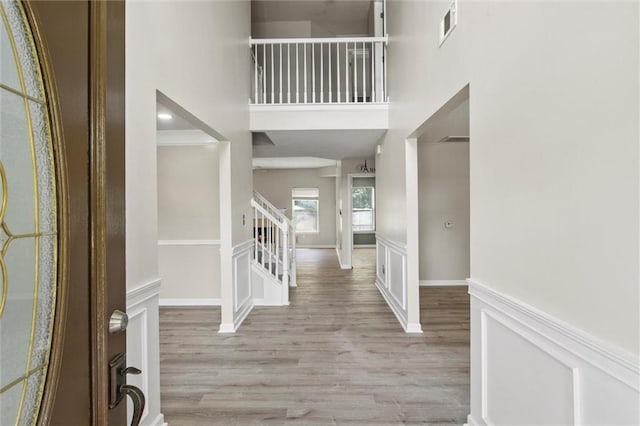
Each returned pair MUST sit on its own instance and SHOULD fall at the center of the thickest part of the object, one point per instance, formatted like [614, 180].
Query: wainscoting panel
[143, 347]
[397, 280]
[391, 280]
[528, 367]
[381, 250]
[242, 288]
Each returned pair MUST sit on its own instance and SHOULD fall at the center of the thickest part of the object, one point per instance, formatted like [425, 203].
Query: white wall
[555, 181]
[188, 193]
[553, 154]
[537, 165]
[165, 52]
[281, 29]
[189, 224]
[190, 272]
[276, 186]
[443, 184]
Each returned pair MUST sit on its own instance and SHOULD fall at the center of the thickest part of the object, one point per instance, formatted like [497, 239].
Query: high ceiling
[332, 17]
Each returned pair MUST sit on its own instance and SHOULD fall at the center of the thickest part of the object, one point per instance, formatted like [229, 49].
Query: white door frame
[347, 243]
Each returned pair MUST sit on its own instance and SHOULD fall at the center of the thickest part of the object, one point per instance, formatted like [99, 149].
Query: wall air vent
[449, 21]
[455, 139]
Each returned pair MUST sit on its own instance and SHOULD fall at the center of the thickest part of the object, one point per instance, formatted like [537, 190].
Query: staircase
[274, 255]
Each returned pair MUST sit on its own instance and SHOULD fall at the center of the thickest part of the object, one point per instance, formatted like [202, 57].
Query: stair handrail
[266, 204]
[278, 221]
[285, 225]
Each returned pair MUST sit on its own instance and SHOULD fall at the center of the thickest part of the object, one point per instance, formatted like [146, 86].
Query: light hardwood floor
[336, 356]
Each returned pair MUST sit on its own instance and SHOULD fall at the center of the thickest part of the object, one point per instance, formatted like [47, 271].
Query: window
[305, 210]
[363, 218]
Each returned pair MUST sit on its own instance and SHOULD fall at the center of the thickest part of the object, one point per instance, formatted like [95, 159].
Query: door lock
[118, 322]
[119, 388]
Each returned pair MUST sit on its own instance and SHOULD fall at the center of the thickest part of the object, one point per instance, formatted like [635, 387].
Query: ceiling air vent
[449, 21]
[455, 139]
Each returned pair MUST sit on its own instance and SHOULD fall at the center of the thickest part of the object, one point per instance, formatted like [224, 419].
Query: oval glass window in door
[28, 222]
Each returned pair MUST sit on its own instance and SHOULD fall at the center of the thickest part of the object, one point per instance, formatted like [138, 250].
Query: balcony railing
[319, 71]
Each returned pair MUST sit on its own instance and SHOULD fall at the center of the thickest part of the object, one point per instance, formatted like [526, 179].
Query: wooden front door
[62, 258]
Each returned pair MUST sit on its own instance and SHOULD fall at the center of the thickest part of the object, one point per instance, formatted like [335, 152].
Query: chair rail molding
[571, 377]
[190, 302]
[438, 283]
[189, 242]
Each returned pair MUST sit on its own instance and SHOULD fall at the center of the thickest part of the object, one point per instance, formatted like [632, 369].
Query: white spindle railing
[319, 70]
[275, 243]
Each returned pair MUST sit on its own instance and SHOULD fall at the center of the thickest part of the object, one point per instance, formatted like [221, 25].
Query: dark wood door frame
[81, 46]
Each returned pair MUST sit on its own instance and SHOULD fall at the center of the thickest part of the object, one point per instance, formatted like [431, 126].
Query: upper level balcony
[318, 83]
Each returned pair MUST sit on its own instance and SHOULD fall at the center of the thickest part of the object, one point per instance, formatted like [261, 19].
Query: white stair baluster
[288, 73]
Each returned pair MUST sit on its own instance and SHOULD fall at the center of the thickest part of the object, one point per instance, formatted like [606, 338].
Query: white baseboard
[408, 327]
[190, 302]
[159, 421]
[528, 366]
[316, 246]
[241, 315]
[226, 328]
[471, 421]
[359, 246]
[263, 302]
[443, 283]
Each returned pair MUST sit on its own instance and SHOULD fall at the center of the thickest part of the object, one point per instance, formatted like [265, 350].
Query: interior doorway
[439, 199]
[360, 213]
[189, 156]
[363, 211]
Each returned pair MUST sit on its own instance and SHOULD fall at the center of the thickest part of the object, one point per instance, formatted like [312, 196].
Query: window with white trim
[305, 210]
[363, 216]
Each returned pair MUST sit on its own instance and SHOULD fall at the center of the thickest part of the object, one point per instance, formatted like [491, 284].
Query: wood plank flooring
[336, 356]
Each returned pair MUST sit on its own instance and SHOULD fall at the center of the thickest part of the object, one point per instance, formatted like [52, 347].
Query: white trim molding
[242, 289]
[188, 242]
[442, 283]
[391, 280]
[143, 345]
[530, 367]
[190, 302]
[342, 266]
[316, 246]
[159, 421]
[143, 293]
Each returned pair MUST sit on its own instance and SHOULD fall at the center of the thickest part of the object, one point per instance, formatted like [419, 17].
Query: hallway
[335, 356]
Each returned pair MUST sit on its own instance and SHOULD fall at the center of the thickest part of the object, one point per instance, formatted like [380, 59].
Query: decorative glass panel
[28, 218]
[8, 69]
[24, 49]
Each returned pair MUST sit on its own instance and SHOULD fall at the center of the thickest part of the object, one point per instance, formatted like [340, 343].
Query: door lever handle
[138, 399]
[119, 387]
[131, 370]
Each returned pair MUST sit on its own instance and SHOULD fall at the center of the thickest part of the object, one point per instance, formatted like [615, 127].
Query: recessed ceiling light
[165, 116]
